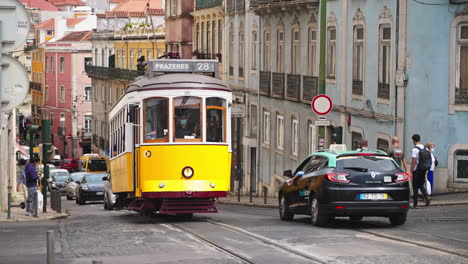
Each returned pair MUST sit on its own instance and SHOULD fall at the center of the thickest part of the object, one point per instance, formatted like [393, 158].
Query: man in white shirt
[419, 176]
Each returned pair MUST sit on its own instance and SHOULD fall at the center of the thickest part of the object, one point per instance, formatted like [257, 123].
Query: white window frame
[312, 51]
[63, 120]
[241, 51]
[331, 52]
[280, 49]
[87, 93]
[358, 58]
[254, 49]
[296, 50]
[294, 136]
[87, 123]
[231, 52]
[311, 137]
[266, 127]
[62, 93]
[267, 50]
[385, 78]
[62, 64]
[279, 131]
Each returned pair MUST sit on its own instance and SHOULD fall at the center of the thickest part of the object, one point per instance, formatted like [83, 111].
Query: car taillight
[401, 177]
[337, 177]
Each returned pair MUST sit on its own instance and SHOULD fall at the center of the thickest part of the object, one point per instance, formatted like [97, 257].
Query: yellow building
[131, 44]
[37, 85]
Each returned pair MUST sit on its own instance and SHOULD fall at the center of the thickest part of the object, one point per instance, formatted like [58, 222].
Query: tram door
[136, 150]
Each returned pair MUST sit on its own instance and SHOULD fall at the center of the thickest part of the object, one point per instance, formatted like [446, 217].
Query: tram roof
[177, 81]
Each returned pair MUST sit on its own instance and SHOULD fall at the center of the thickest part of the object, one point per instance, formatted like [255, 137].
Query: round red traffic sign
[322, 104]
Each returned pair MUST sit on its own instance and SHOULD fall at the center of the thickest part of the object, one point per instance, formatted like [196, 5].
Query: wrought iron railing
[203, 4]
[309, 87]
[278, 84]
[461, 96]
[293, 86]
[265, 82]
[35, 86]
[112, 73]
[357, 87]
[383, 91]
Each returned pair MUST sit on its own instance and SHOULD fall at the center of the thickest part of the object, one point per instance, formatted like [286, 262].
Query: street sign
[238, 110]
[15, 20]
[322, 122]
[14, 83]
[322, 104]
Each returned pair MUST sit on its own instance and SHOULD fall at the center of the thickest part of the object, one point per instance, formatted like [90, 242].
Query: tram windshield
[215, 118]
[156, 117]
[187, 111]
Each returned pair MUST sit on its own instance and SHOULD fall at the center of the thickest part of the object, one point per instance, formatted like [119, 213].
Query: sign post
[322, 105]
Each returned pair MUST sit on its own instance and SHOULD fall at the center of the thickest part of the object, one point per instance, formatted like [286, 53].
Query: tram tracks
[238, 255]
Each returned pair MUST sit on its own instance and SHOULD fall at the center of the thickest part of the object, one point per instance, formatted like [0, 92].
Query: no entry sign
[322, 104]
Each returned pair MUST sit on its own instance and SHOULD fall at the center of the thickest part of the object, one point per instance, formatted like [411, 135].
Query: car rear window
[66, 161]
[366, 163]
[97, 165]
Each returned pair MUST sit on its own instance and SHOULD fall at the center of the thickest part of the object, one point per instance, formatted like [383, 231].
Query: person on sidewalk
[430, 174]
[21, 181]
[397, 153]
[420, 164]
[31, 184]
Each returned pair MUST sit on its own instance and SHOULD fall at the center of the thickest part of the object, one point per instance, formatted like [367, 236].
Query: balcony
[278, 84]
[263, 7]
[309, 87]
[461, 96]
[357, 87]
[265, 82]
[204, 4]
[235, 5]
[383, 91]
[34, 86]
[293, 86]
[112, 73]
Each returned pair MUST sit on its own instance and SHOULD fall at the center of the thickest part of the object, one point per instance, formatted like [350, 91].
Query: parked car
[348, 183]
[109, 196]
[70, 164]
[58, 180]
[90, 188]
[56, 160]
[72, 183]
[51, 167]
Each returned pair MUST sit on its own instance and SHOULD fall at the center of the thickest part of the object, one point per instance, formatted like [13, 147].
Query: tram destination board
[197, 66]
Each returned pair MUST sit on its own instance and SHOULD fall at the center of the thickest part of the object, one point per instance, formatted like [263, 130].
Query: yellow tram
[170, 139]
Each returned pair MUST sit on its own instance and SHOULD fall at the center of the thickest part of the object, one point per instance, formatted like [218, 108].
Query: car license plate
[373, 196]
[99, 193]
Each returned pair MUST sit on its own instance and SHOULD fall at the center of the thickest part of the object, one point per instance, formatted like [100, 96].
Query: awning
[23, 150]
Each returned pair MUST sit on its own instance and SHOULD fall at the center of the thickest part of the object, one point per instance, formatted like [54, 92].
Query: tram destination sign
[189, 66]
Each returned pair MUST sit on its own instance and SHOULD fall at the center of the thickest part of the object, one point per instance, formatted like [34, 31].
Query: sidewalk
[272, 202]
[19, 215]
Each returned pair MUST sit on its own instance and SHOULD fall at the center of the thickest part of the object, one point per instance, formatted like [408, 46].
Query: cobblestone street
[237, 234]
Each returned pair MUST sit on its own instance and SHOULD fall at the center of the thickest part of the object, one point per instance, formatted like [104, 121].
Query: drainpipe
[397, 39]
[259, 117]
[323, 36]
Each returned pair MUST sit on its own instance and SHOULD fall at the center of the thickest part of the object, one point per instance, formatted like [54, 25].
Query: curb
[276, 206]
[63, 216]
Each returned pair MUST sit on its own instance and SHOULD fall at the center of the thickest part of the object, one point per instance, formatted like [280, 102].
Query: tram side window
[215, 118]
[187, 111]
[156, 119]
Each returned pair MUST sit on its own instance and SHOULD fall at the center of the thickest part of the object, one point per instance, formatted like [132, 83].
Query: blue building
[436, 85]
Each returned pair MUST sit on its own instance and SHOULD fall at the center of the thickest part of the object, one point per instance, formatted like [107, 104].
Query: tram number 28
[204, 66]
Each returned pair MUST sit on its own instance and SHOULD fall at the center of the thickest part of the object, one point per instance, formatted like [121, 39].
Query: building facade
[118, 42]
[436, 87]
[179, 26]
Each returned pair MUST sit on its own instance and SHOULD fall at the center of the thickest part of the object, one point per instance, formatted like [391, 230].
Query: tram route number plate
[373, 196]
[182, 66]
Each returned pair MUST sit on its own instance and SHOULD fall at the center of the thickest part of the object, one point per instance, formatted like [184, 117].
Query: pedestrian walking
[397, 153]
[21, 181]
[31, 184]
[430, 174]
[420, 163]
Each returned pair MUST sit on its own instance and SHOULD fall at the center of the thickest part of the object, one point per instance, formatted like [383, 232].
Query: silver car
[109, 196]
[71, 184]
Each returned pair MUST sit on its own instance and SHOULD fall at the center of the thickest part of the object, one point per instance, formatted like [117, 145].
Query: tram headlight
[187, 172]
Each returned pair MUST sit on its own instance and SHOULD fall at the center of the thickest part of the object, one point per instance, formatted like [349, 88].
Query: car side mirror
[105, 178]
[287, 173]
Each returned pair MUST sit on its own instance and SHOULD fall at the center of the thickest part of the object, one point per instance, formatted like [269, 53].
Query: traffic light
[338, 134]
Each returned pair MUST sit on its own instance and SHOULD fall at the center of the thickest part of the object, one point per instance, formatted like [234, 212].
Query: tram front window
[187, 117]
[215, 116]
[156, 119]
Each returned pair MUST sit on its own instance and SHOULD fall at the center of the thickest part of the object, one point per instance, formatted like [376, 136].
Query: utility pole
[46, 145]
[323, 43]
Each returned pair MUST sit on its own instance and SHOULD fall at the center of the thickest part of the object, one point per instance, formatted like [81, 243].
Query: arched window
[295, 47]
[280, 47]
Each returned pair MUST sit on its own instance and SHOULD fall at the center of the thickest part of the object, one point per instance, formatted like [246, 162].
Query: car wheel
[106, 205]
[284, 212]
[356, 218]
[399, 219]
[317, 216]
